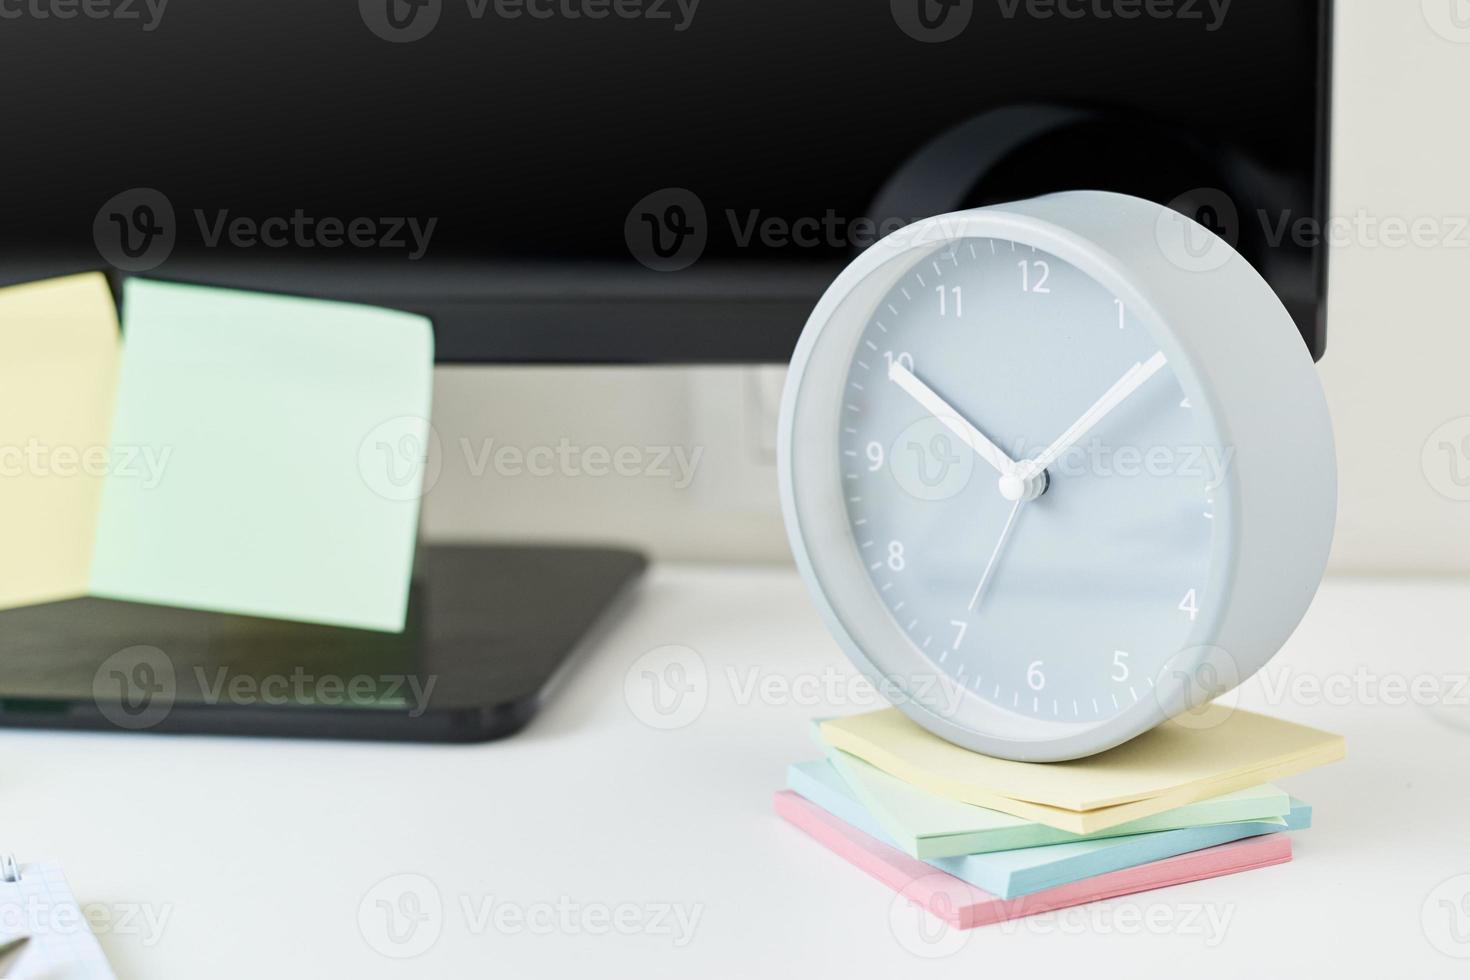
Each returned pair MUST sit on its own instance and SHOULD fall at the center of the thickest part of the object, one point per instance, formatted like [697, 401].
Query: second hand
[1005, 533]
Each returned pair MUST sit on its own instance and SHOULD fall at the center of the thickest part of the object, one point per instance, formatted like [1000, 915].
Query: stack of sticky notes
[976, 839]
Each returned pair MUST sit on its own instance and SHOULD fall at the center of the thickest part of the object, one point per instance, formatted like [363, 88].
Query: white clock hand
[1005, 534]
[951, 419]
[1130, 382]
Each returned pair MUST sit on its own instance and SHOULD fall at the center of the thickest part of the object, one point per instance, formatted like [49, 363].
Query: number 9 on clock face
[1009, 480]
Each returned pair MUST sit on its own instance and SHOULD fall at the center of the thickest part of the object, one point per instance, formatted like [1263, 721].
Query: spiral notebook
[36, 903]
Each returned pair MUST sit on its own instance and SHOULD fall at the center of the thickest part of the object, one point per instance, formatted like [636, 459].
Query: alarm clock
[1055, 471]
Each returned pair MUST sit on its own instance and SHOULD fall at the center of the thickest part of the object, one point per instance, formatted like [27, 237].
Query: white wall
[1398, 348]
[722, 421]
[1397, 365]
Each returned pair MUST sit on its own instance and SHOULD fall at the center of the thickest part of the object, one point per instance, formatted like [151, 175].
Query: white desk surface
[261, 853]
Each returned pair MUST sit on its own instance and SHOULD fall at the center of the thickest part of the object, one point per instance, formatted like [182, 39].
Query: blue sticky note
[1012, 874]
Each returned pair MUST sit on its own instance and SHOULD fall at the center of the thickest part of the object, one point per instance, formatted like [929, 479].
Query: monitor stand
[490, 631]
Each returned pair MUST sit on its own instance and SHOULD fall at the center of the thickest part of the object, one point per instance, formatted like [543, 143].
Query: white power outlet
[733, 414]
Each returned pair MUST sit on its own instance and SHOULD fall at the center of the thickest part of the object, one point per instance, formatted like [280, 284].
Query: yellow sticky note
[59, 352]
[1170, 766]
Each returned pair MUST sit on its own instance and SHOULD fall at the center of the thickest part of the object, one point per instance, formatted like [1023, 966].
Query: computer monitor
[640, 180]
[587, 181]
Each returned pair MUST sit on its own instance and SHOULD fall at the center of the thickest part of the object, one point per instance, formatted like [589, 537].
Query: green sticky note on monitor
[286, 439]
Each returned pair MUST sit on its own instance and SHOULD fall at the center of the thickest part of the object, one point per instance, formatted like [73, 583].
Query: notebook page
[62, 946]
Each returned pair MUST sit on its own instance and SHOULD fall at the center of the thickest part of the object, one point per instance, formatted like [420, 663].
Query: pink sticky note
[964, 906]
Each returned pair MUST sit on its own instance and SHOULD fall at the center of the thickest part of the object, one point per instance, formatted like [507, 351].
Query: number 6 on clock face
[1036, 474]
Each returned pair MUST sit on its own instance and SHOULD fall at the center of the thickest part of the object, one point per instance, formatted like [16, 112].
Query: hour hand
[951, 419]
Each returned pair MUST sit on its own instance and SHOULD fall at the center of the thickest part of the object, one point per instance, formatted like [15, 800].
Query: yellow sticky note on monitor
[1170, 766]
[59, 352]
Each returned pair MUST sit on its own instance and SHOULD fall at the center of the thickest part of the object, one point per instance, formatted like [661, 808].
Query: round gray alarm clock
[1051, 475]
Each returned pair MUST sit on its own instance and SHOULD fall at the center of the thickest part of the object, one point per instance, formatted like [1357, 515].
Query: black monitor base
[490, 630]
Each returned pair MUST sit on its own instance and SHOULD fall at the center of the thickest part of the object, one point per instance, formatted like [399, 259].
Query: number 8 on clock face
[1048, 485]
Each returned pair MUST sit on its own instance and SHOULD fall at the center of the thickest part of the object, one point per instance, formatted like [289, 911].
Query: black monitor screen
[631, 180]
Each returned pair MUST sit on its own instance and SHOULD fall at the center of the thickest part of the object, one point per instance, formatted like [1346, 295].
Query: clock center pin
[1017, 487]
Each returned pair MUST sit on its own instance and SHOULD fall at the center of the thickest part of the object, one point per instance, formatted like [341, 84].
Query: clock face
[1025, 482]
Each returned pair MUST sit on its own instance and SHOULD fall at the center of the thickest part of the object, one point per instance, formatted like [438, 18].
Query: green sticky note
[278, 450]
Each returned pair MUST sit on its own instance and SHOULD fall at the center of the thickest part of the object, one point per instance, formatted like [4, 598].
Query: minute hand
[1130, 382]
